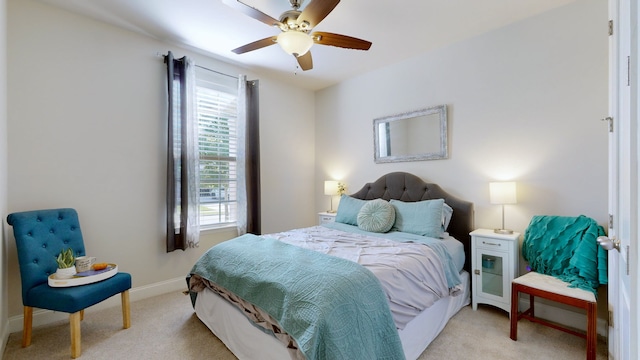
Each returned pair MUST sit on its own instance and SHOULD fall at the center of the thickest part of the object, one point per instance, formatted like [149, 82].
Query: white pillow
[447, 212]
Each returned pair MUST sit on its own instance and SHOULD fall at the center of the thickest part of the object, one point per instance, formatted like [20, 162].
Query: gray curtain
[182, 198]
[249, 155]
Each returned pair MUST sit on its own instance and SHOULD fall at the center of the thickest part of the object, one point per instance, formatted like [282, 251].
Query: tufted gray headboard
[408, 187]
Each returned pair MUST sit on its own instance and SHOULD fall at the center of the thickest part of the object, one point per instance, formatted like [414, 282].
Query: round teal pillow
[376, 216]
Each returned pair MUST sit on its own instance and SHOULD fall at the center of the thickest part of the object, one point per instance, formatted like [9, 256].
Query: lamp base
[331, 211]
[503, 231]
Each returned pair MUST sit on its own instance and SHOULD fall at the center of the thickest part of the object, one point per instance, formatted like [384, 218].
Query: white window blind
[217, 137]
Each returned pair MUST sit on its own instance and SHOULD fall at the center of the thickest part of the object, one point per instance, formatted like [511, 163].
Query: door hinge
[610, 221]
[611, 318]
[628, 71]
[627, 254]
[610, 120]
[610, 27]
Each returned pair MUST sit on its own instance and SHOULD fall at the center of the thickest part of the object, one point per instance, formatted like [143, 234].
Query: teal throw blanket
[333, 308]
[567, 248]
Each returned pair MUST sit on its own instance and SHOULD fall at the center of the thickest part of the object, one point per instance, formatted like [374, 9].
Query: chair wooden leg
[513, 334]
[532, 301]
[81, 314]
[27, 326]
[592, 337]
[126, 310]
[74, 321]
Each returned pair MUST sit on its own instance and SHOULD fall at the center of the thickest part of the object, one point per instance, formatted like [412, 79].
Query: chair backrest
[40, 236]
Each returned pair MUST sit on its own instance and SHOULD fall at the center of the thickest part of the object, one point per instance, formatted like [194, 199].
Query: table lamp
[331, 189]
[502, 193]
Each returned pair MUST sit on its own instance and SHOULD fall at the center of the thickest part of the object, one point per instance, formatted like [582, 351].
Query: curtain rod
[217, 72]
[158, 54]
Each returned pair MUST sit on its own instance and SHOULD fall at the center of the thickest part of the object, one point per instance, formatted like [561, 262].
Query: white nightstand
[326, 217]
[494, 262]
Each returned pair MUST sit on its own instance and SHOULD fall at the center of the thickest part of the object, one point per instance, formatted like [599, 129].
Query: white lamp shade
[331, 188]
[295, 42]
[502, 192]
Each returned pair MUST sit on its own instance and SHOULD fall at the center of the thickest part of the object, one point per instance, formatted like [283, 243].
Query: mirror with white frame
[412, 136]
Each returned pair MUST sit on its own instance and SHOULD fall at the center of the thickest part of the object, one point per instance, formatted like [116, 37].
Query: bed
[348, 286]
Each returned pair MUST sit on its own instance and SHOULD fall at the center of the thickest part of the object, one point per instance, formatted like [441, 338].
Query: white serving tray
[76, 280]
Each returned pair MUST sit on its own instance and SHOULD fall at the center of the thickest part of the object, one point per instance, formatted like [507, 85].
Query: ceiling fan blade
[305, 61]
[343, 41]
[316, 11]
[256, 45]
[252, 12]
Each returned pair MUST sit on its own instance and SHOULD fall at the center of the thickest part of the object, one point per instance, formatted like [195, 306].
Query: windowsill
[210, 229]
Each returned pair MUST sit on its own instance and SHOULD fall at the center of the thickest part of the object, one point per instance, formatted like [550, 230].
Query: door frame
[624, 295]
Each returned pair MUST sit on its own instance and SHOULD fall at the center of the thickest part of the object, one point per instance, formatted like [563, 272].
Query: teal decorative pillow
[348, 210]
[376, 216]
[420, 218]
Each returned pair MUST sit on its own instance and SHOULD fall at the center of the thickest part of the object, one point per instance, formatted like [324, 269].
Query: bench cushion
[554, 285]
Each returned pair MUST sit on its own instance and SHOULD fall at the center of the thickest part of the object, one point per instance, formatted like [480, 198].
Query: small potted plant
[66, 264]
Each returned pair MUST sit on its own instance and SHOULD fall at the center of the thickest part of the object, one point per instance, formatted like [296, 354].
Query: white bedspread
[411, 274]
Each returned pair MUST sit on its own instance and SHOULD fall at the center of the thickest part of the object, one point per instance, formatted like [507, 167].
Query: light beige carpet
[165, 327]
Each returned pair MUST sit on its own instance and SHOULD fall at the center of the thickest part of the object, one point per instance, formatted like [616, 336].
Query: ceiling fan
[296, 25]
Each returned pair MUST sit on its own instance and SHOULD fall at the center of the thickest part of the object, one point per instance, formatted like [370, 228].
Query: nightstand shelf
[494, 262]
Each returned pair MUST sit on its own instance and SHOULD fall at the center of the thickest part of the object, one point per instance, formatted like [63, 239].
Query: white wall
[86, 130]
[524, 101]
[4, 288]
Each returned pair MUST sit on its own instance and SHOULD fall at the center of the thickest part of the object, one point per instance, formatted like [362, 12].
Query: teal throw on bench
[567, 248]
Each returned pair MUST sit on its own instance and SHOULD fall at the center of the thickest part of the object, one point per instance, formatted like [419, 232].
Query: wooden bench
[554, 289]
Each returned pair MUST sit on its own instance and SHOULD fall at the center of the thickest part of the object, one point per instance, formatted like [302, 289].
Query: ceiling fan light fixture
[295, 42]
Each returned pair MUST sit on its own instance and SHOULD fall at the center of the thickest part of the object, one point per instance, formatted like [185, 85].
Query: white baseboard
[565, 317]
[44, 317]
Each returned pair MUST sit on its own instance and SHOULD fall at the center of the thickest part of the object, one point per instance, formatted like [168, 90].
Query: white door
[623, 181]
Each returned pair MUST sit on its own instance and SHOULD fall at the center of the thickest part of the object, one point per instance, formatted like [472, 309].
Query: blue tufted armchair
[40, 236]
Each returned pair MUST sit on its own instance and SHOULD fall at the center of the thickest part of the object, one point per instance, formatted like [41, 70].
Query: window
[217, 101]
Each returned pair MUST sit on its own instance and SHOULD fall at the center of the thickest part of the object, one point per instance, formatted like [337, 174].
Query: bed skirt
[245, 340]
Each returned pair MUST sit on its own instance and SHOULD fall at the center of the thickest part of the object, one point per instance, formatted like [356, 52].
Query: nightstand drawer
[492, 243]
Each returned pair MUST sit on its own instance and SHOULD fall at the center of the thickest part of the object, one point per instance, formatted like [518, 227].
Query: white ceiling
[398, 30]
